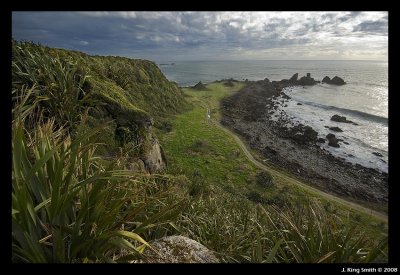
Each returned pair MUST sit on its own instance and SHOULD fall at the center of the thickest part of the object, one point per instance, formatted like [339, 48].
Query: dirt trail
[276, 174]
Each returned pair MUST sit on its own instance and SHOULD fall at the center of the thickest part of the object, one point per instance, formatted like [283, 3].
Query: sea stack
[334, 81]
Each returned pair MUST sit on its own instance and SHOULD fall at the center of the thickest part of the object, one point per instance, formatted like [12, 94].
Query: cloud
[214, 35]
[374, 27]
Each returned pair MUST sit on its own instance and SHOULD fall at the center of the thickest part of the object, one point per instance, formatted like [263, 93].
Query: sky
[178, 36]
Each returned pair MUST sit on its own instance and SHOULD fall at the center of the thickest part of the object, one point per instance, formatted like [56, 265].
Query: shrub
[255, 197]
[264, 179]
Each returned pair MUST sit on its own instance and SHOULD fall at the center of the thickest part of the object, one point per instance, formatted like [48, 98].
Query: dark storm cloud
[191, 33]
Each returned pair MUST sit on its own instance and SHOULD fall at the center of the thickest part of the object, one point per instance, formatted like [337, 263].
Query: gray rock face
[155, 159]
[179, 249]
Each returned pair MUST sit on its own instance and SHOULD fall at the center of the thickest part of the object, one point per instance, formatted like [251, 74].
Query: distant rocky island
[296, 148]
[308, 81]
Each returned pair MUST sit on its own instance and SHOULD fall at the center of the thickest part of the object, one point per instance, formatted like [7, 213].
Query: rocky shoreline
[249, 113]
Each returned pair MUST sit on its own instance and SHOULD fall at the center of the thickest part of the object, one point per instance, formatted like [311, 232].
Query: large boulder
[154, 159]
[178, 249]
[333, 141]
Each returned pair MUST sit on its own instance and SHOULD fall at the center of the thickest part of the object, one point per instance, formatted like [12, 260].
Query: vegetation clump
[264, 179]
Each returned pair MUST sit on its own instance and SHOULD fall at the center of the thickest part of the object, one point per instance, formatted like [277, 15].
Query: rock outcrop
[303, 134]
[178, 249]
[154, 159]
[333, 141]
[338, 118]
[334, 81]
[307, 80]
[335, 129]
[294, 77]
[337, 81]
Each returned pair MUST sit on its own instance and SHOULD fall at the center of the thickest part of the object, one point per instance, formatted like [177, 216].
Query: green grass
[218, 163]
[225, 190]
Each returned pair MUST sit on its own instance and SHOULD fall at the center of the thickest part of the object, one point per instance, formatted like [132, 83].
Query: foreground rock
[334, 81]
[179, 249]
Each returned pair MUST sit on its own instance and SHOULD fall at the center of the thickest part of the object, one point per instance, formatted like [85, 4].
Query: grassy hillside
[78, 124]
[130, 95]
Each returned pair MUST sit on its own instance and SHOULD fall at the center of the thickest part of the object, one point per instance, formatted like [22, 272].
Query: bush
[255, 197]
[165, 126]
[264, 179]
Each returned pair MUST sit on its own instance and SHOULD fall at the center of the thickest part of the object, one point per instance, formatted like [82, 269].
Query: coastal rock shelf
[257, 113]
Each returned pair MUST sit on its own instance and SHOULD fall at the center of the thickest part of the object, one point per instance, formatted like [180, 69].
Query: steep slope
[130, 95]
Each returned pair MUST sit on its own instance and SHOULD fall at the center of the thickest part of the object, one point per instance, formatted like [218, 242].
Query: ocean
[364, 99]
